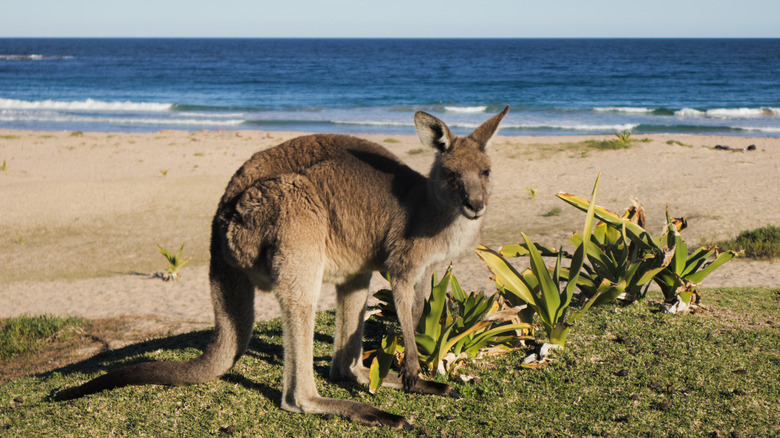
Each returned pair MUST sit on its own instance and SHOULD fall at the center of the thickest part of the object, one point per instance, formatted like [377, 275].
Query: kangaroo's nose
[475, 205]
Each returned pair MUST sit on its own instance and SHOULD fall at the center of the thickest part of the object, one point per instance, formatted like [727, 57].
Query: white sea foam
[33, 57]
[83, 105]
[371, 123]
[761, 129]
[52, 117]
[689, 112]
[576, 127]
[729, 113]
[465, 109]
[623, 109]
[211, 115]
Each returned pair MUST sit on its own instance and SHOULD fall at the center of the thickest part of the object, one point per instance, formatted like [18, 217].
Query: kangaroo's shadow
[259, 348]
[265, 345]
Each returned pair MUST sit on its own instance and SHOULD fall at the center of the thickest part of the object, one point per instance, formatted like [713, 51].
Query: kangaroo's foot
[423, 386]
[360, 413]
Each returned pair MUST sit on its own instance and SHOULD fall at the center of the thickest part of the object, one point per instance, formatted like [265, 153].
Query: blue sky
[391, 18]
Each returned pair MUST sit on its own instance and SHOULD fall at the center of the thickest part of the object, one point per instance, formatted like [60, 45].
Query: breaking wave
[83, 105]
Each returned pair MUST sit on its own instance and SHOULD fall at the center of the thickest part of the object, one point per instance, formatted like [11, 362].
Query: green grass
[622, 140]
[761, 243]
[554, 212]
[630, 372]
[416, 151]
[679, 143]
[10, 137]
[25, 333]
[391, 140]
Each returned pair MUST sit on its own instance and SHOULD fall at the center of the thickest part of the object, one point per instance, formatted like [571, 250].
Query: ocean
[555, 86]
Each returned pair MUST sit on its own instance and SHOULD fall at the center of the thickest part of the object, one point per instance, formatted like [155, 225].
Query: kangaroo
[331, 208]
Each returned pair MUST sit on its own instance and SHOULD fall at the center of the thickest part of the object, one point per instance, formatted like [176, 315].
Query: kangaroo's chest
[459, 238]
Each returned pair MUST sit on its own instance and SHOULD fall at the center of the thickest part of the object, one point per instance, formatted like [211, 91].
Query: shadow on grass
[265, 345]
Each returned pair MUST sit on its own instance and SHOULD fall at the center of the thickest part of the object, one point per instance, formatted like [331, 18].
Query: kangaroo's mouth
[470, 213]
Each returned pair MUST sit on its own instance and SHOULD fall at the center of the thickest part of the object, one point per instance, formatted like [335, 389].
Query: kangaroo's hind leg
[351, 300]
[297, 290]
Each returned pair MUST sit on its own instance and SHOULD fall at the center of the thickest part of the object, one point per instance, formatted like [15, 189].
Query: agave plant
[614, 257]
[540, 288]
[664, 260]
[383, 360]
[175, 262]
[453, 326]
[680, 279]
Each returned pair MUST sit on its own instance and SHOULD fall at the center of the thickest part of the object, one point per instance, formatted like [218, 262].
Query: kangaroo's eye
[486, 173]
[451, 174]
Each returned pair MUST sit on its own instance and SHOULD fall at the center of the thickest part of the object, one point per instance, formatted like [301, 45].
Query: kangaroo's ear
[485, 132]
[432, 131]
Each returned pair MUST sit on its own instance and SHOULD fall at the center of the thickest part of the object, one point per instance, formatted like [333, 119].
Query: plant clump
[175, 262]
[760, 243]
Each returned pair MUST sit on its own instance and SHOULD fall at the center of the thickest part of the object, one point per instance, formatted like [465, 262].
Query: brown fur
[331, 208]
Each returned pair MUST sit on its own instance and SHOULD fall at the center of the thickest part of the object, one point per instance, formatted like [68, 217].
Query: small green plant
[540, 288]
[4, 166]
[624, 137]
[175, 262]
[678, 143]
[453, 326]
[531, 192]
[416, 151]
[76, 134]
[760, 243]
[391, 140]
[10, 137]
[164, 172]
[623, 140]
[553, 212]
[21, 240]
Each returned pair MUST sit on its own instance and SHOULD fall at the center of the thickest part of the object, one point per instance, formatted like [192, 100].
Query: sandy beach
[82, 213]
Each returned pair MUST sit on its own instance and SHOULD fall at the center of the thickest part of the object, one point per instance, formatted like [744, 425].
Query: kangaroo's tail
[232, 295]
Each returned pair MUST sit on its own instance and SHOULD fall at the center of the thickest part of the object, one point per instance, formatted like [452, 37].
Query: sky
[391, 18]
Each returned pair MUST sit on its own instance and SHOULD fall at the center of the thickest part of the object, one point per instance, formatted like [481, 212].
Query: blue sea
[555, 86]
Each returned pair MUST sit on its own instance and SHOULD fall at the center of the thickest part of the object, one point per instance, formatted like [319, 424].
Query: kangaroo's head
[460, 177]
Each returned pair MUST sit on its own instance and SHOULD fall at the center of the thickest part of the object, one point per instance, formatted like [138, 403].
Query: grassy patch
[417, 151]
[10, 137]
[679, 143]
[554, 212]
[24, 333]
[606, 144]
[760, 243]
[391, 140]
[77, 134]
[628, 372]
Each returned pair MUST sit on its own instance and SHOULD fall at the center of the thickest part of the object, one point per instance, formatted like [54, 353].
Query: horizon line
[406, 38]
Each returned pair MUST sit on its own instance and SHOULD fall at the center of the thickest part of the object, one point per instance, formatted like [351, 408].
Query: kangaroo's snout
[472, 196]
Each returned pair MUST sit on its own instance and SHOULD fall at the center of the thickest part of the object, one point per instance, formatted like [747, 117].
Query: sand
[81, 214]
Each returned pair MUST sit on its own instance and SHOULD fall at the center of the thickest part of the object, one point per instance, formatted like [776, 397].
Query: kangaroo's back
[343, 193]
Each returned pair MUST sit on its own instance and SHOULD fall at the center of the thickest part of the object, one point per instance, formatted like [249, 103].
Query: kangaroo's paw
[381, 418]
[423, 386]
